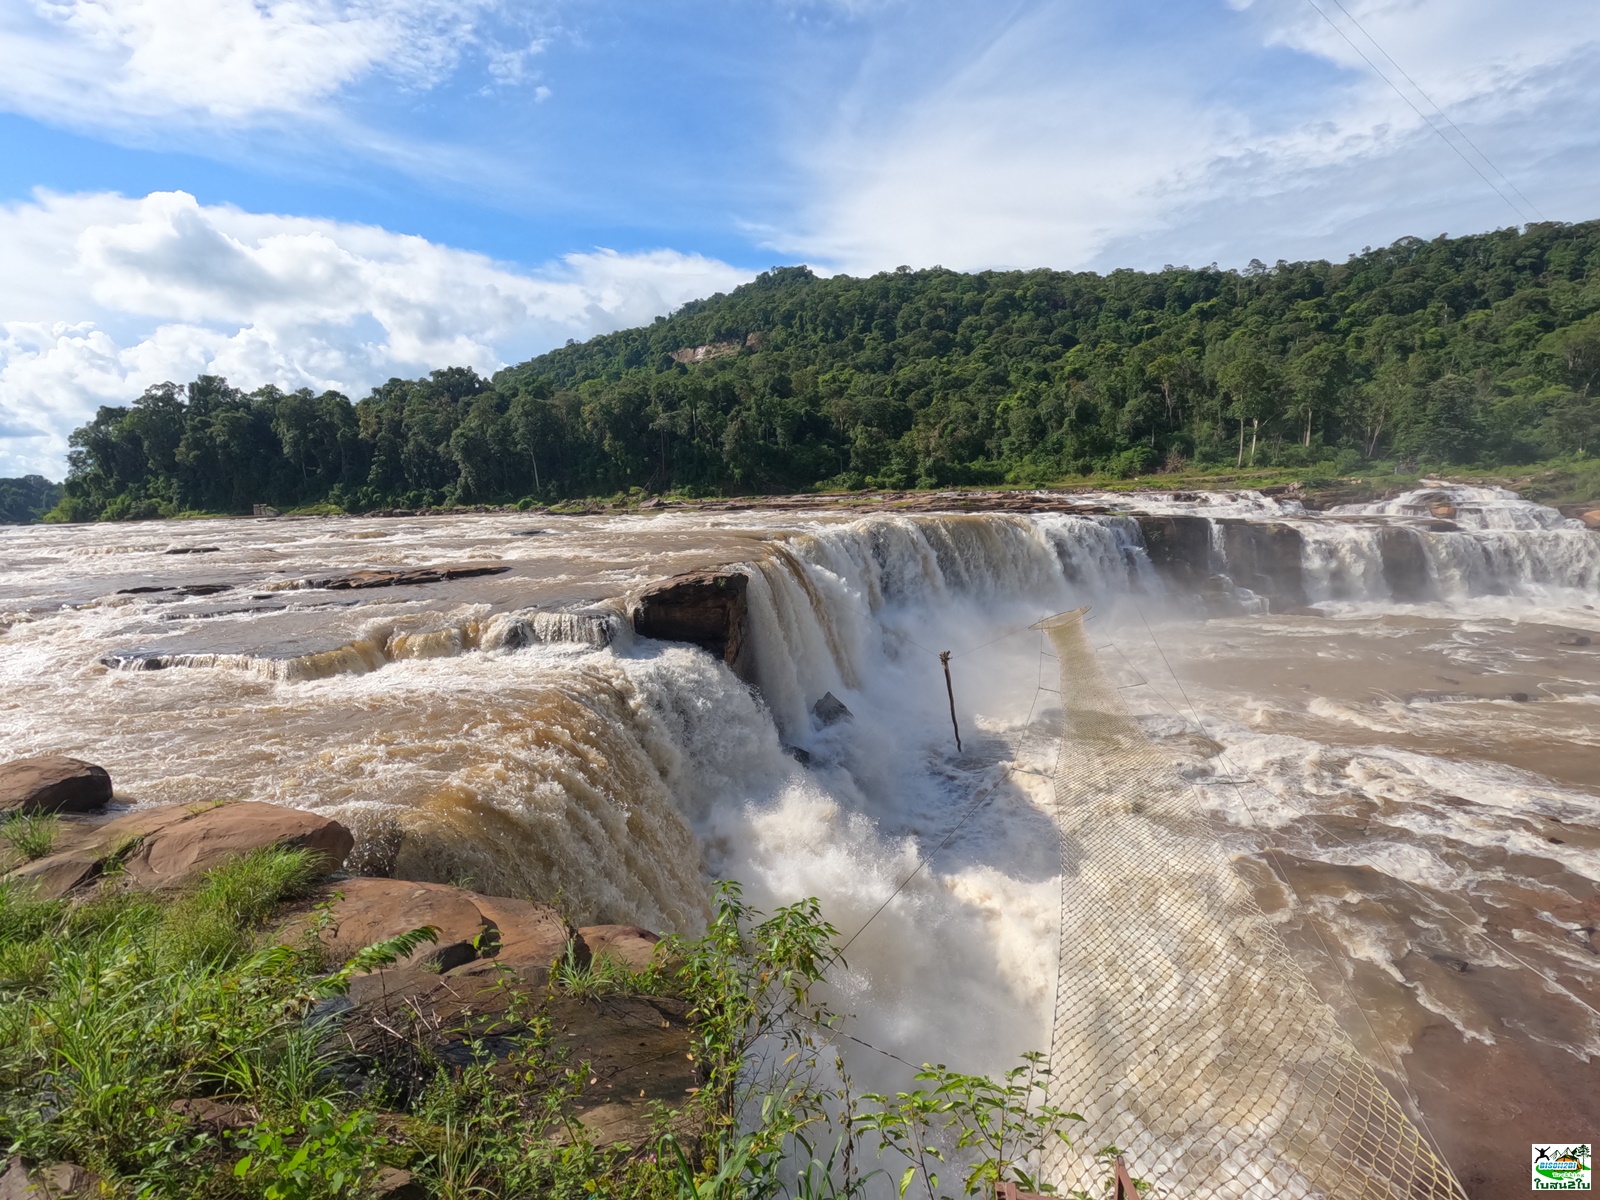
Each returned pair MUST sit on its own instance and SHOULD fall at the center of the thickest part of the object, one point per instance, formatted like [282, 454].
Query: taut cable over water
[1184, 1032]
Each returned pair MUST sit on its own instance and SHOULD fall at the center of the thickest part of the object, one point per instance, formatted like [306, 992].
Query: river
[1405, 751]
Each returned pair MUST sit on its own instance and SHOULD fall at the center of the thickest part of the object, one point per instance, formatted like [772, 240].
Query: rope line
[1377, 70]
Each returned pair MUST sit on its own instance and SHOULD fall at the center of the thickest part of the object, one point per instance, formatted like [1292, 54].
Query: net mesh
[1185, 1035]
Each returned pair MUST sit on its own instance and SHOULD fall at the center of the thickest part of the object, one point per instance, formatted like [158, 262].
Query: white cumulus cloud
[123, 61]
[103, 295]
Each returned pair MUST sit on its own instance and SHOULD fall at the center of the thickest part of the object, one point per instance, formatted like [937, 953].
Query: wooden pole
[949, 690]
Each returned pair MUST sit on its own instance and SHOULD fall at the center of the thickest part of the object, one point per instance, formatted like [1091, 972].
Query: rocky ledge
[450, 995]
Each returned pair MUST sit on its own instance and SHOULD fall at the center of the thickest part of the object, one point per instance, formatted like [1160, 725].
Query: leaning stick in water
[944, 657]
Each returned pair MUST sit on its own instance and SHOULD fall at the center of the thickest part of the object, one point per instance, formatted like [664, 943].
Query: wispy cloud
[104, 295]
[1070, 138]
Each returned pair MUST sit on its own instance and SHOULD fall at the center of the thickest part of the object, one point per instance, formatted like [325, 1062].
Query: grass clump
[32, 835]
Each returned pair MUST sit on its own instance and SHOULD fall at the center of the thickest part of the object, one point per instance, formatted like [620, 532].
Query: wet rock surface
[53, 783]
[705, 608]
[410, 577]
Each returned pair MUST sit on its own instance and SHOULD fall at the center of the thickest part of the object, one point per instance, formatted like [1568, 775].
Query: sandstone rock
[637, 1051]
[392, 1183]
[1590, 519]
[59, 1181]
[830, 709]
[528, 937]
[630, 945]
[706, 609]
[365, 911]
[1179, 548]
[83, 851]
[1265, 557]
[1443, 510]
[53, 783]
[218, 1116]
[180, 853]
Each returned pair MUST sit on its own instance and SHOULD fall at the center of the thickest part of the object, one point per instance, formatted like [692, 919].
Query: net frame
[1184, 1033]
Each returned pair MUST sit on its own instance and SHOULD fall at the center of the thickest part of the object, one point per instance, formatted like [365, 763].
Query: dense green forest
[27, 499]
[1481, 350]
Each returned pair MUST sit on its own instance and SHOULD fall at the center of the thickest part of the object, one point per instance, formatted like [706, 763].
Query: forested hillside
[27, 499]
[1459, 351]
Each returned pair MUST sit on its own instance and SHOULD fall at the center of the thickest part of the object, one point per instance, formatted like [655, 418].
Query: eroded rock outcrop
[58, 1181]
[52, 783]
[705, 608]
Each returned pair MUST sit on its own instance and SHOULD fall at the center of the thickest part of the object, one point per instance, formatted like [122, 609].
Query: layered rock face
[706, 608]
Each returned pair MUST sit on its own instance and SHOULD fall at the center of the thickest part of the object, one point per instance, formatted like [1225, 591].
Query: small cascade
[501, 632]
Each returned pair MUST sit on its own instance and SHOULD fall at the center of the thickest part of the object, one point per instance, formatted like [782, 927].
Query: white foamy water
[1416, 755]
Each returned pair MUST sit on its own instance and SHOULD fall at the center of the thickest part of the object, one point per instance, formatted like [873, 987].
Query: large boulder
[527, 937]
[1590, 519]
[364, 911]
[53, 783]
[180, 853]
[174, 844]
[476, 934]
[705, 608]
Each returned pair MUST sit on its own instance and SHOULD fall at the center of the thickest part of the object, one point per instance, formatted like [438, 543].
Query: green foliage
[322, 1154]
[1005, 1123]
[1471, 350]
[116, 1007]
[30, 834]
[27, 499]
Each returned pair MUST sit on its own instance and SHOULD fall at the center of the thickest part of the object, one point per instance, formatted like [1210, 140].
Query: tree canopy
[26, 499]
[1479, 350]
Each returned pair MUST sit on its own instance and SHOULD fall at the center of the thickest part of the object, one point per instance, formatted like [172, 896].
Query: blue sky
[325, 193]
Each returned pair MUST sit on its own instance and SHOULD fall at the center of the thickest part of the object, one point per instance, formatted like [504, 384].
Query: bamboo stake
[944, 657]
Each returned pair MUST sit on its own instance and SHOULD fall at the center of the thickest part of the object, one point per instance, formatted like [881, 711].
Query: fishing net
[1185, 1035]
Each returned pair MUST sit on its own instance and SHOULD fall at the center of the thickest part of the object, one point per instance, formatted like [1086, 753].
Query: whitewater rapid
[1405, 754]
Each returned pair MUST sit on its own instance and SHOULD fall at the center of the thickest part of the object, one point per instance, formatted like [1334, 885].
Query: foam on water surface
[510, 731]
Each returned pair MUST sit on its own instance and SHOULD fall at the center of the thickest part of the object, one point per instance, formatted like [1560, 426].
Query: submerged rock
[52, 783]
[409, 577]
[830, 710]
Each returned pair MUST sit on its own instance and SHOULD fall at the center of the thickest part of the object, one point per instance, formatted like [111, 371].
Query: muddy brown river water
[1412, 786]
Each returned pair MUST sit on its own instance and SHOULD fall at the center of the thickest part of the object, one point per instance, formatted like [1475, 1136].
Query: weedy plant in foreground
[121, 1012]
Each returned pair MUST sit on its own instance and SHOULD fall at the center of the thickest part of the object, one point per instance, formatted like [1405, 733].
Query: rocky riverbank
[467, 983]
